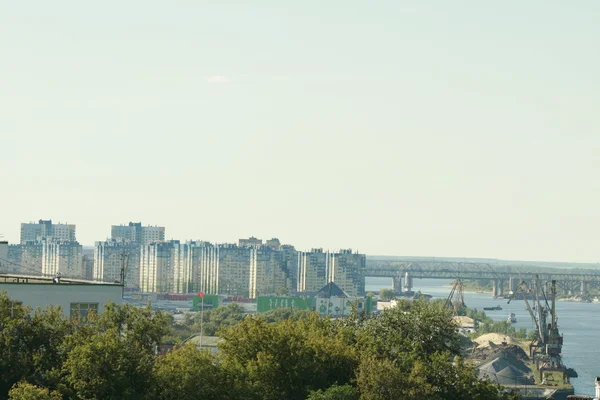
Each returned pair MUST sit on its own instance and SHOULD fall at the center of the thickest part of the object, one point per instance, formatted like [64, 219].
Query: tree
[409, 327]
[282, 291]
[386, 294]
[188, 374]
[287, 359]
[280, 314]
[335, 392]
[27, 391]
[219, 318]
[29, 343]
[112, 355]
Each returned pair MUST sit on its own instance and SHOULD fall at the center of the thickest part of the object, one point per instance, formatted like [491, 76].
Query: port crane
[547, 346]
[537, 313]
[459, 302]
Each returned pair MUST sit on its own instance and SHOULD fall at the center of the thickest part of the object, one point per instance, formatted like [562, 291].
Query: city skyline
[433, 128]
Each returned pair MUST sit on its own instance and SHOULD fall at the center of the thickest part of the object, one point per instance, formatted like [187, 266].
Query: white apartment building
[205, 262]
[317, 268]
[346, 269]
[62, 257]
[165, 267]
[45, 229]
[313, 270]
[111, 256]
[134, 232]
[269, 271]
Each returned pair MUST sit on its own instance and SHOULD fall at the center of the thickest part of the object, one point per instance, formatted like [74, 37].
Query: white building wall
[45, 294]
[110, 256]
[47, 230]
[65, 258]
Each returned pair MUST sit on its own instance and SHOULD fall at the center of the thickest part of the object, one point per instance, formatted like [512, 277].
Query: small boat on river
[497, 308]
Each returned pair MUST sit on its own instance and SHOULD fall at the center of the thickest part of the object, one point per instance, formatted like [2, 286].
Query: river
[576, 321]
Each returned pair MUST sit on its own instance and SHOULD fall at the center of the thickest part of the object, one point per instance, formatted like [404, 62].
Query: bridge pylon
[408, 283]
[397, 285]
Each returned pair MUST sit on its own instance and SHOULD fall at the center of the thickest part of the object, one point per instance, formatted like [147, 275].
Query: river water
[578, 322]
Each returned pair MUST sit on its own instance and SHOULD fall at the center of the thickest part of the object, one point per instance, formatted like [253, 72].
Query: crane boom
[525, 289]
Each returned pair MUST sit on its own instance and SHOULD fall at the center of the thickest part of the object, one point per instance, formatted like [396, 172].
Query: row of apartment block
[229, 269]
[150, 264]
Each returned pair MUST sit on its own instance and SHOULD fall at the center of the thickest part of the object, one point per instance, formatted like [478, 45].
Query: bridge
[503, 277]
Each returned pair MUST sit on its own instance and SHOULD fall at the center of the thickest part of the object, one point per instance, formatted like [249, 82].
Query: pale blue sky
[446, 128]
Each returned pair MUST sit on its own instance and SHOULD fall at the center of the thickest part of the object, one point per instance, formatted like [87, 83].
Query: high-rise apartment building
[252, 241]
[234, 270]
[111, 256]
[205, 262]
[5, 263]
[47, 230]
[313, 270]
[346, 269]
[166, 267]
[29, 256]
[317, 268]
[269, 271]
[134, 232]
[62, 257]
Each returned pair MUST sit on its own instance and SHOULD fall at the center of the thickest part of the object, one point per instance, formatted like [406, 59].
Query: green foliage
[112, 356]
[386, 294]
[108, 356]
[27, 391]
[282, 291]
[219, 318]
[286, 360]
[280, 314]
[410, 351]
[29, 343]
[187, 373]
[335, 392]
[417, 326]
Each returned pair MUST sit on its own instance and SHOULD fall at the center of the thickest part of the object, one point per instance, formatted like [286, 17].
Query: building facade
[269, 271]
[134, 232]
[234, 270]
[111, 256]
[64, 258]
[317, 268]
[166, 267]
[347, 271]
[75, 299]
[46, 230]
[313, 270]
[5, 262]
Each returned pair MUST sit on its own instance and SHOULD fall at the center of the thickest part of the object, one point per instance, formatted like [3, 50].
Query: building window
[81, 310]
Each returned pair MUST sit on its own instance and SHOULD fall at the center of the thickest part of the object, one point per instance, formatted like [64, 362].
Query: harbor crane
[458, 302]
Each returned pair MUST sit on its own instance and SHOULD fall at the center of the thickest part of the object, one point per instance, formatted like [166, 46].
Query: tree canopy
[408, 352]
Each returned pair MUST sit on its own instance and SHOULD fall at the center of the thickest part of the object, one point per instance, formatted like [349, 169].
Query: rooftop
[37, 279]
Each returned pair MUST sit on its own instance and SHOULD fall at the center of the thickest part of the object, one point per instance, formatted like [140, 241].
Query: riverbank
[505, 360]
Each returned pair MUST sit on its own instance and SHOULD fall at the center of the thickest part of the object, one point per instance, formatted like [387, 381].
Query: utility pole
[124, 262]
[201, 294]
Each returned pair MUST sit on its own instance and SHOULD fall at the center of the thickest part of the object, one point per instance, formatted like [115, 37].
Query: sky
[423, 128]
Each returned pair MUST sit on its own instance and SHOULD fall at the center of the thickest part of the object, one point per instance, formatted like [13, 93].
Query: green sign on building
[209, 299]
[266, 303]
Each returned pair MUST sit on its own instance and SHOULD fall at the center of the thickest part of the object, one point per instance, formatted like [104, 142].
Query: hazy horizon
[454, 129]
